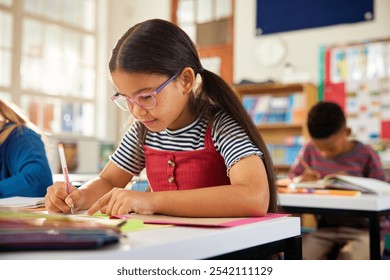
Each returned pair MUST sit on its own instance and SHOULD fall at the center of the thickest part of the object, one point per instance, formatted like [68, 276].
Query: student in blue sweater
[24, 168]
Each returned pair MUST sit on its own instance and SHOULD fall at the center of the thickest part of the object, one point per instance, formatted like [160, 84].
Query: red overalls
[184, 170]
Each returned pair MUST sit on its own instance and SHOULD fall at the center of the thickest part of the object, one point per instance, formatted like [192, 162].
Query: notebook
[22, 202]
[345, 182]
[205, 222]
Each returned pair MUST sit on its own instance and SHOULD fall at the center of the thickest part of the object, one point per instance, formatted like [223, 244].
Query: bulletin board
[274, 16]
[357, 77]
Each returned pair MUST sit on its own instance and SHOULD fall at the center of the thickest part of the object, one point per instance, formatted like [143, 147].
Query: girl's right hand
[57, 200]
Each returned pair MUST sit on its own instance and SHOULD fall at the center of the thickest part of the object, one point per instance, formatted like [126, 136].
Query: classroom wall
[121, 16]
[302, 46]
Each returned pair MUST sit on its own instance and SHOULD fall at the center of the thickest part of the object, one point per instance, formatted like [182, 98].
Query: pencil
[65, 171]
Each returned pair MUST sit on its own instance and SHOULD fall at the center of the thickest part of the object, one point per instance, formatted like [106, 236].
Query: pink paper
[206, 222]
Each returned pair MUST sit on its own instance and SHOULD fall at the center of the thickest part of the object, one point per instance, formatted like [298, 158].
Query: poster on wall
[362, 108]
[357, 77]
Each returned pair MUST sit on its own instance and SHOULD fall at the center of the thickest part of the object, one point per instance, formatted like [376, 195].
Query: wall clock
[270, 51]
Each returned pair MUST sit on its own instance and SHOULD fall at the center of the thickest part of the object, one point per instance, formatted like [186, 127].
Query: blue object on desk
[141, 185]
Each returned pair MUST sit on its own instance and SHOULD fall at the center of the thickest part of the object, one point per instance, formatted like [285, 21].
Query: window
[48, 62]
[209, 23]
[5, 48]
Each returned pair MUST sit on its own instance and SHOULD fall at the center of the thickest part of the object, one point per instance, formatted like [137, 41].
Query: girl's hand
[120, 201]
[57, 200]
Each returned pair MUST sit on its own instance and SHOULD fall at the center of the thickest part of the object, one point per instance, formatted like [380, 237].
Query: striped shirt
[361, 161]
[229, 139]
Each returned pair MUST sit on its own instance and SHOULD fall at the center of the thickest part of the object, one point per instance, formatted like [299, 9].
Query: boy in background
[331, 151]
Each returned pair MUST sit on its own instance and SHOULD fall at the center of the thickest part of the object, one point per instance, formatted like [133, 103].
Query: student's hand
[120, 201]
[284, 182]
[342, 172]
[57, 200]
[307, 176]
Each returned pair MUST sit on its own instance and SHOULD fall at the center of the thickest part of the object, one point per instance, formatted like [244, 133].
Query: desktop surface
[177, 242]
[365, 202]
[368, 206]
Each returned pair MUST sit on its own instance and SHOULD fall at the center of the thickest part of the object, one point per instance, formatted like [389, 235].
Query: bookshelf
[279, 111]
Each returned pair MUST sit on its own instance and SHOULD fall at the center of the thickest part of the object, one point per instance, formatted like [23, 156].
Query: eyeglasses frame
[131, 101]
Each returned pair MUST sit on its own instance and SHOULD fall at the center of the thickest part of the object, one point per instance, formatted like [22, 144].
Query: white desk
[283, 234]
[369, 206]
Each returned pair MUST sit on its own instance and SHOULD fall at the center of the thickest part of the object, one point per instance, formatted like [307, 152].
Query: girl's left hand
[120, 201]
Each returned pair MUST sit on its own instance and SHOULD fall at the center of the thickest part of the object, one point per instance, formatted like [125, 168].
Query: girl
[24, 168]
[202, 153]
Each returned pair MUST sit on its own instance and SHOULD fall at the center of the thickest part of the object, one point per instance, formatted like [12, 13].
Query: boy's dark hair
[161, 47]
[325, 119]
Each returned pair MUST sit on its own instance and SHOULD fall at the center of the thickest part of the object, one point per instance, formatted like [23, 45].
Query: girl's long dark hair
[160, 47]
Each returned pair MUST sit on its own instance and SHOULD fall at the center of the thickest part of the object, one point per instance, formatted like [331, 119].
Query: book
[278, 109]
[202, 222]
[22, 202]
[261, 109]
[249, 103]
[346, 182]
[298, 108]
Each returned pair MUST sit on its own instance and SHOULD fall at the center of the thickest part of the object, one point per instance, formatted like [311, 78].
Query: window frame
[14, 91]
[223, 51]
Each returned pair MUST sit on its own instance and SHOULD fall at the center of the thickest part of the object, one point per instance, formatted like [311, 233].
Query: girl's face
[171, 110]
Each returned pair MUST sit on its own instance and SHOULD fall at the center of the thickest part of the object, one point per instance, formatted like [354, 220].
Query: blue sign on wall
[286, 15]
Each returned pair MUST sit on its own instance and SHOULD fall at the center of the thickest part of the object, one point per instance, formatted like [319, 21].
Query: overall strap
[208, 140]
